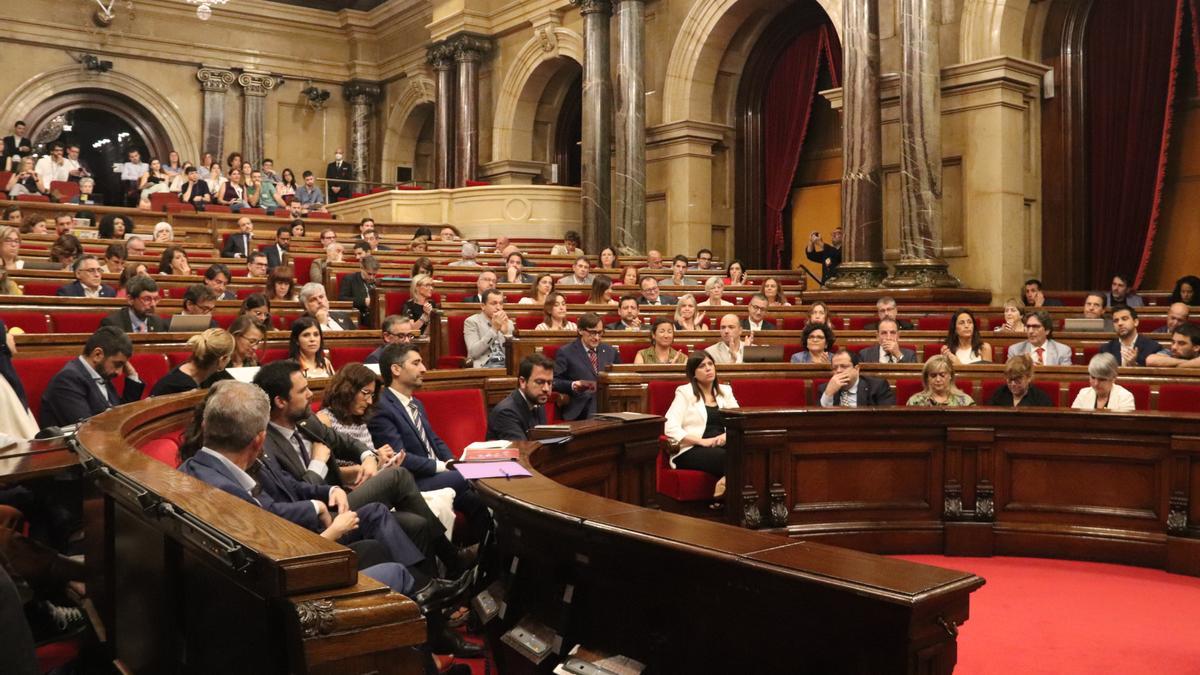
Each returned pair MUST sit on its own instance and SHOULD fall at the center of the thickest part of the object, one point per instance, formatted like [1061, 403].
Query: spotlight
[92, 63]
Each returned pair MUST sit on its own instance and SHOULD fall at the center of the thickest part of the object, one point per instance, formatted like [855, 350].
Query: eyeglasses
[90, 270]
[367, 393]
[252, 342]
[12, 240]
[401, 335]
[594, 331]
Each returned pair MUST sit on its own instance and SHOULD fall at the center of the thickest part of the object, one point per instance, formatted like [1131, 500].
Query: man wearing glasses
[87, 281]
[1044, 351]
[397, 329]
[577, 366]
[241, 244]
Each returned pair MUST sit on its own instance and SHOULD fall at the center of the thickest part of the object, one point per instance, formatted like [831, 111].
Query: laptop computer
[762, 354]
[1083, 325]
[190, 323]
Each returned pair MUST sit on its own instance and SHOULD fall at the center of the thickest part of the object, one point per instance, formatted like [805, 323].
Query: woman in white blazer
[1105, 393]
[694, 420]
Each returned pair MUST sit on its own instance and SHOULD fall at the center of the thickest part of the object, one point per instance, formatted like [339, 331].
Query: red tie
[1041, 353]
[595, 361]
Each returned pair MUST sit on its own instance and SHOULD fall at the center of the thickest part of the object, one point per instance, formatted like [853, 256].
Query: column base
[922, 273]
[851, 275]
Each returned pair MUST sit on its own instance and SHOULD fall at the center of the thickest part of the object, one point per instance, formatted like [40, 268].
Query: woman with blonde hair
[938, 376]
[211, 351]
[249, 334]
[554, 312]
[420, 306]
[715, 289]
[1012, 318]
[10, 248]
[686, 315]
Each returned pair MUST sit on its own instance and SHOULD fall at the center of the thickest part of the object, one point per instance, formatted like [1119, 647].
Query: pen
[507, 476]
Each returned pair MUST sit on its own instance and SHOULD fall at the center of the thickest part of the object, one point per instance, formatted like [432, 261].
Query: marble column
[255, 87]
[596, 163]
[920, 151]
[441, 58]
[215, 83]
[630, 194]
[862, 151]
[468, 52]
[362, 97]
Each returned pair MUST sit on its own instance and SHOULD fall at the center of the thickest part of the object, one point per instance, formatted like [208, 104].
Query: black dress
[1034, 397]
[414, 311]
[716, 422]
[174, 382]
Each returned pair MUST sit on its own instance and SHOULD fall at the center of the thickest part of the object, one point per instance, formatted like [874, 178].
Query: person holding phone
[828, 255]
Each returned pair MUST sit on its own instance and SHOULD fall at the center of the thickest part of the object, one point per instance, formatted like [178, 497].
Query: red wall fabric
[786, 111]
[1132, 56]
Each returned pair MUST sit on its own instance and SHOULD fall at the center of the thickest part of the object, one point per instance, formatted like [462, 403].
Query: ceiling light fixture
[204, 8]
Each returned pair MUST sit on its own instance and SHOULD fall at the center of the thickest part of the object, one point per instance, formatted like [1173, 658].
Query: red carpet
[1066, 617]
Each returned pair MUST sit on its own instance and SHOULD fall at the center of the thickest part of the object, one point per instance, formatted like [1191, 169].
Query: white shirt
[755, 326]
[331, 324]
[48, 171]
[131, 171]
[91, 292]
[828, 401]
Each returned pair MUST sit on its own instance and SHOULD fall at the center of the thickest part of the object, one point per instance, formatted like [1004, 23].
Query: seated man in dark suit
[235, 422]
[87, 281]
[142, 293]
[359, 286]
[217, 277]
[887, 349]
[302, 446]
[241, 244]
[630, 314]
[1129, 348]
[848, 389]
[886, 308]
[577, 365]
[397, 328]
[1034, 297]
[400, 420]
[316, 305]
[756, 314]
[485, 280]
[651, 295]
[512, 418]
[84, 387]
[277, 252]
[200, 300]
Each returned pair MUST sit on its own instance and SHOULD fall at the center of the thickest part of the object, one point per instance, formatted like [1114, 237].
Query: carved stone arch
[538, 62]
[990, 28]
[406, 120]
[703, 39]
[162, 112]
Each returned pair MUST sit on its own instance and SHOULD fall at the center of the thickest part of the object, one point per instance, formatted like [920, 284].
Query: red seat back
[151, 368]
[457, 415]
[159, 200]
[659, 395]
[549, 351]
[1179, 398]
[173, 205]
[273, 354]
[629, 350]
[253, 211]
[42, 287]
[794, 323]
[343, 355]
[1088, 352]
[320, 215]
[906, 388]
[76, 322]
[301, 266]
[164, 448]
[930, 350]
[457, 342]
[530, 321]
[32, 198]
[65, 188]
[860, 322]
[30, 322]
[933, 322]
[35, 373]
[763, 392]
[217, 208]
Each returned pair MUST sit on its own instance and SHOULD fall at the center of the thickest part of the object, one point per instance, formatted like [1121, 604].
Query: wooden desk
[27, 460]
[692, 596]
[974, 481]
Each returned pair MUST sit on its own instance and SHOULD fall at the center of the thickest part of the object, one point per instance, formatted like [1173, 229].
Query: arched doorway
[568, 135]
[106, 125]
[751, 159]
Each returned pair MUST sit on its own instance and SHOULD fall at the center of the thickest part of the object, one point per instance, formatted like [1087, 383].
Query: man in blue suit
[577, 365]
[87, 281]
[400, 420]
[84, 387]
[1129, 348]
[235, 428]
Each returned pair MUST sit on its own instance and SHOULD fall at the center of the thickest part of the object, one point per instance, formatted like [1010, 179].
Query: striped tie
[420, 425]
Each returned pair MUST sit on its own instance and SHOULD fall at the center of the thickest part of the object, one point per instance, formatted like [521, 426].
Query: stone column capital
[215, 79]
[362, 91]
[469, 46]
[257, 84]
[593, 6]
[440, 55]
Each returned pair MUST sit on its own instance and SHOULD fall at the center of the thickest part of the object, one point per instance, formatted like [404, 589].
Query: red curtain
[786, 111]
[1133, 52]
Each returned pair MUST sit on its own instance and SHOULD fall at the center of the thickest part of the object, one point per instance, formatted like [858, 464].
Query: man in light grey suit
[487, 331]
[1039, 329]
[888, 349]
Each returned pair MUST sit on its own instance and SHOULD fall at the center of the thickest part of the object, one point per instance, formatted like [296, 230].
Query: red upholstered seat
[790, 350]
[217, 208]
[683, 485]
[225, 320]
[355, 195]
[320, 215]
[576, 298]
[457, 415]
[151, 368]
[764, 392]
[905, 390]
[457, 343]
[301, 265]
[76, 322]
[1179, 398]
[1088, 352]
[30, 322]
[35, 374]
[176, 206]
[159, 200]
[451, 362]
[409, 187]
[930, 350]
[243, 293]
[1149, 324]
[629, 350]
[4, 176]
[42, 287]
[176, 358]
[165, 450]
[937, 322]
[794, 323]
[860, 322]
[65, 188]
[32, 198]
[1140, 391]
[343, 355]
[274, 354]
[530, 321]
[549, 351]
[253, 211]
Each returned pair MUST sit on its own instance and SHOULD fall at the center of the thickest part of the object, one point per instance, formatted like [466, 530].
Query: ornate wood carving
[215, 79]
[316, 617]
[751, 517]
[1177, 517]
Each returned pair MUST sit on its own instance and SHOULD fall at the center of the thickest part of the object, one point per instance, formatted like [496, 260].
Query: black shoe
[449, 642]
[441, 591]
